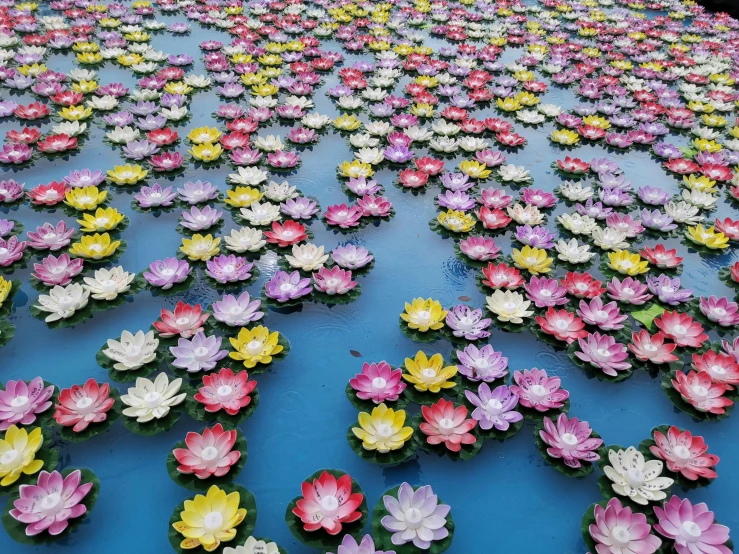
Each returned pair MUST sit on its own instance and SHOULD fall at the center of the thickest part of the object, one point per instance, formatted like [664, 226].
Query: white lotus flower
[7, 41]
[446, 78]
[263, 101]
[154, 25]
[514, 173]
[261, 213]
[472, 144]
[635, 478]
[379, 128]
[63, 302]
[112, 53]
[307, 257]
[175, 113]
[249, 176]
[551, 68]
[418, 134]
[574, 191]
[525, 215]
[509, 306]
[315, 120]
[389, 73]
[144, 67]
[349, 102]
[609, 238]
[444, 144]
[82, 75]
[253, 546]
[270, 143]
[530, 117]
[572, 252]
[682, 212]
[302, 101]
[279, 192]
[152, 400]
[577, 224]
[445, 128]
[70, 128]
[705, 132]
[103, 103]
[702, 200]
[122, 135]
[151, 57]
[370, 155]
[198, 81]
[151, 95]
[374, 94]
[132, 351]
[362, 140]
[107, 284]
[732, 144]
[245, 239]
[549, 110]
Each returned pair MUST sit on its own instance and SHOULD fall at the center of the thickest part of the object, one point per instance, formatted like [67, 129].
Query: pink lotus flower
[699, 391]
[431, 166]
[721, 367]
[618, 530]
[720, 310]
[545, 292]
[10, 191]
[378, 382]
[479, 248]
[209, 454]
[245, 156]
[51, 503]
[681, 328]
[684, 453]
[661, 257]
[630, 291]
[21, 402]
[167, 161]
[445, 424]
[334, 281]
[535, 389]
[229, 268]
[692, 527]
[501, 276]
[226, 391]
[731, 348]
[538, 198]
[185, 321]
[607, 317]
[328, 503]
[54, 271]
[286, 234]
[57, 143]
[570, 440]
[493, 199]
[652, 348]
[343, 216]
[282, 160]
[728, 227]
[374, 206]
[15, 153]
[562, 325]
[79, 406]
[413, 179]
[11, 250]
[51, 237]
[604, 353]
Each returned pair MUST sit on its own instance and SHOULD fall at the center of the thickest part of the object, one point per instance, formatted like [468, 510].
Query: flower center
[699, 391]
[634, 477]
[446, 426]
[423, 316]
[414, 518]
[213, 521]
[509, 307]
[428, 374]
[690, 531]
[167, 271]
[19, 402]
[224, 392]
[379, 383]
[384, 430]
[50, 502]
[152, 399]
[228, 268]
[493, 405]
[254, 347]
[679, 330]
[52, 236]
[200, 351]
[561, 324]
[569, 439]
[719, 312]
[718, 370]
[538, 391]
[620, 536]
[209, 453]
[329, 504]
[603, 352]
[681, 452]
[9, 457]
[84, 403]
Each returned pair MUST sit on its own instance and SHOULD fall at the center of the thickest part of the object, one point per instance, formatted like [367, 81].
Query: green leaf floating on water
[646, 317]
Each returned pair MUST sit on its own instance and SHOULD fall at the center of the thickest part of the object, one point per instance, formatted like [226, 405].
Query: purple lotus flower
[570, 441]
[378, 382]
[11, 250]
[606, 317]
[494, 409]
[421, 505]
[349, 545]
[7, 107]
[151, 122]
[483, 364]
[299, 207]
[231, 90]
[237, 311]
[200, 353]
[692, 527]
[51, 237]
[10, 191]
[625, 223]
[144, 108]
[456, 181]
[6, 227]
[284, 286]
[382, 110]
[360, 186]
[351, 256]
[398, 154]
[617, 530]
[666, 150]
[118, 119]
[456, 200]
[668, 290]
[228, 268]
[84, 178]
[545, 292]
[167, 272]
[720, 310]
[139, 149]
[615, 197]
[479, 248]
[538, 198]
[21, 402]
[168, 100]
[593, 209]
[333, 281]
[629, 291]
[657, 220]
[229, 111]
[53, 271]
[537, 236]
[603, 165]
[468, 322]
[197, 219]
[654, 196]
[604, 353]
[198, 191]
[155, 196]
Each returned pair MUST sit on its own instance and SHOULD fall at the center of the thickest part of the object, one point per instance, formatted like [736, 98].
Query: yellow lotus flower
[526, 98]
[177, 87]
[5, 287]
[347, 122]
[89, 58]
[533, 260]
[109, 22]
[524, 76]
[714, 120]
[127, 174]
[383, 430]
[508, 104]
[75, 113]
[86, 47]
[250, 79]
[17, 454]
[85, 198]
[128, 60]
[209, 520]
[474, 169]
[255, 346]
[422, 110]
[627, 263]
[201, 135]
[456, 221]
[355, 169]
[94, 247]
[200, 247]
[701, 184]
[700, 107]
[85, 87]
[564, 136]
[596, 121]
[734, 131]
[429, 374]
[243, 197]
[207, 152]
[264, 90]
[424, 314]
[137, 36]
[32, 70]
[269, 59]
[270, 72]
[241, 57]
[705, 145]
[709, 238]
[104, 219]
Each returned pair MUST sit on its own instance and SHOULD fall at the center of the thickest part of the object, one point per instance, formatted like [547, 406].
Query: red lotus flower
[684, 453]
[209, 454]
[430, 166]
[735, 272]
[581, 285]
[681, 328]
[661, 257]
[716, 172]
[226, 391]
[163, 136]
[171, 73]
[493, 219]
[562, 325]
[510, 139]
[27, 135]
[535, 86]
[34, 110]
[328, 503]
[472, 126]
[185, 321]
[167, 161]
[57, 143]
[699, 391]
[481, 94]
[496, 125]
[591, 132]
[573, 165]
[50, 194]
[413, 179]
[721, 367]
[79, 406]
[453, 113]
[242, 125]
[682, 166]
[501, 276]
[728, 227]
[648, 348]
[446, 424]
[234, 140]
[67, 98]
[286, 234]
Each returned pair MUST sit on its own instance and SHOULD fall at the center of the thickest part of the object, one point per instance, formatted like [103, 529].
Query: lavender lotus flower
[668, 290]
[197, 192]
[200, 353]
[51, 237]
[570, 441]
[456, 181]
[657, 220]
[360, 186]
[299, 207]
[351, 256]
[666, 150]
[398, 154]
[7, 107]
[654, 196]
[84, 178]
[603, 165]
[284, 286]
[456, 200]
[168, 100]
[607, 317]
[614, 197]
[155, 196]
[237, 311]
[382, 110]
[197, 219]
[151, 122]
[15, 153]
[494, 409]
[53, 271]
[167, 272]
[6, 227]
[468, 322]
[118, 119]
[537, 236]
[421, 505]
[483, 364]
[629, 291]
[545, 292]
[144, 108]
[228, 268]
[593, 209]
[604, 353]
[139, 149]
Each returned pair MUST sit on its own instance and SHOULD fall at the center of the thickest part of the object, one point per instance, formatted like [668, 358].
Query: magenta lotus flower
[378, 382]
[237, 311]
[51, 502]
[167, 272]
[225, 390]
[720, 310]
[284, 286]
[535, 389]
[604, 353]
[50, 237]
[374, 206]
[479, 248]
[79, 406]
[570, 440]
[201, 353]
[11, 250]
[155, 196]
[494, 409]
[538, 198]
[691, 527]
[343, 216]
[334, 281]
[495, 198]
[629, 291]
[468, 322]
[208, 455]
[15, 153]
[21, 402]
[245, 156]
[167, 161]
[10, 191]
[229, 268]
[197, 219]
[684, 453]
[54, 271]
[481, 364]
[618, 530]
[282, 160]
[545, 292]
[607, 317]
[731, 348]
